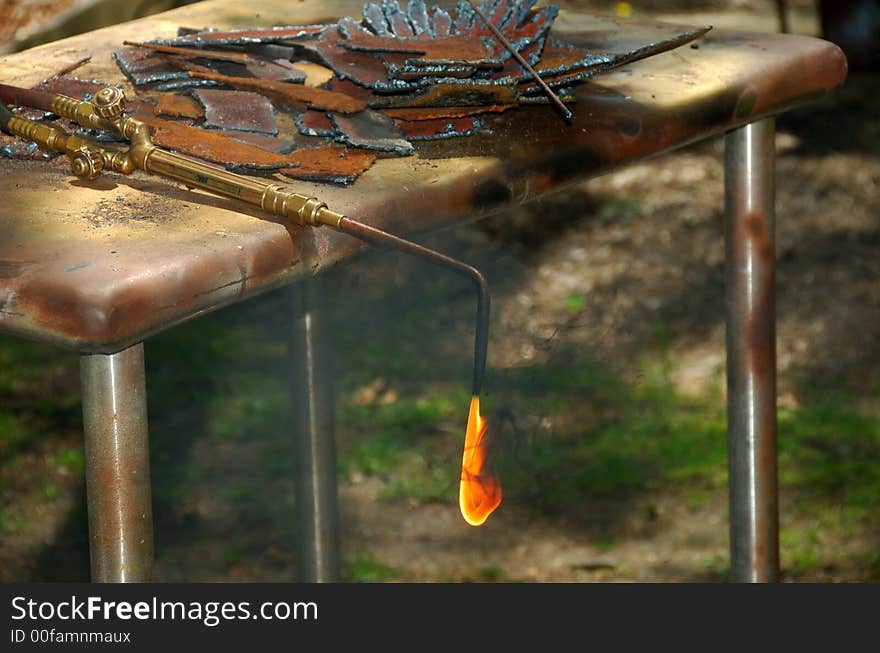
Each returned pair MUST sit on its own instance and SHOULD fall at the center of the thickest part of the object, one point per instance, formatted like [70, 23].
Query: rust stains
[263, 141]
[354, 37]
[364, 69]
[315, 123]
[429, 130]
[146, 67]
[239, 110]
[334, 164]
[196, 53]
[371, 130]
[447, 94]
[297, 95]
[245, 36]
[274, 69]
[759, 236]
[179, 106]
[213, 146]
[434, 113]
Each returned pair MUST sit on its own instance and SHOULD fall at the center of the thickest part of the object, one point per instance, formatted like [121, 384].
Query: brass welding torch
[106, 112]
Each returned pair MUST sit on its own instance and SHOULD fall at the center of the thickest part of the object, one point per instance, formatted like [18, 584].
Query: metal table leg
[749, 167]
[317, 537]
[114, 401]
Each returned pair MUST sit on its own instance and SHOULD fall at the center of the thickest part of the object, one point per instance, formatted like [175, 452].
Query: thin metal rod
[26, 97]
[481, 336]
[749, 167]
[79, 63]
[317, 510]
[525, 64]
[114, 402]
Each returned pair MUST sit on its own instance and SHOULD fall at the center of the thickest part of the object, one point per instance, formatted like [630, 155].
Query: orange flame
[479, 491]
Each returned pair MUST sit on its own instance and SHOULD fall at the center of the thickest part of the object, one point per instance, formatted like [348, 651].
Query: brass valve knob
[109, 102]
[86, 163]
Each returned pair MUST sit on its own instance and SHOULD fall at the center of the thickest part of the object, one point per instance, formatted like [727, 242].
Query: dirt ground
[640, 247]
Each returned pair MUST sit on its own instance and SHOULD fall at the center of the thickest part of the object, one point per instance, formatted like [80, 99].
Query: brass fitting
[307, 211]
[87, 162]
[109, 102]
[82, 113]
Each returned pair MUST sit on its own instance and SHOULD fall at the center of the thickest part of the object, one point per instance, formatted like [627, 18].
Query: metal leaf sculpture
[398, 75]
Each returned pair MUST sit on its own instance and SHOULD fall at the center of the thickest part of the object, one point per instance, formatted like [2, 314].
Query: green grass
[404, 436]
[366, 569]
[71, 459]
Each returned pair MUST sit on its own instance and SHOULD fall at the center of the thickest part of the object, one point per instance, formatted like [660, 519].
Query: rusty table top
[99, 265]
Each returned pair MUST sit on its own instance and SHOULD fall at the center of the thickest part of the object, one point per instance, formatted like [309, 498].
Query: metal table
[164, 254]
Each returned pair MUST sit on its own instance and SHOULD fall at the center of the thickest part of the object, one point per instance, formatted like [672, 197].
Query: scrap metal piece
[482, 64]
[212, 145]
[70, 86]
[356, 37]
[512, 49]
[374, 17]
[297, 95]
[278, 70]
[435, 113]
[245, 36]
[566, 94]
[517, 21]
[441, 23]
[524, 10]
[498, 12]
[172, 105]
[417, 73]
[145, 67]
[187, 82]
[315, 123]
[371, 130]
[272, 51]
[397, 20]
[465, 17]
[363, 69]
[610, 60]
[198, 53]
[432, 130]
[417, 13]
[240, 110]
[557, 59]
[263, 141]
[352, 89]
[331, 164]
[657, 47]
[449, 94]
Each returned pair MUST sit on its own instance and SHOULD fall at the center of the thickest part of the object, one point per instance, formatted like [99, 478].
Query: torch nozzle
[330, 218]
